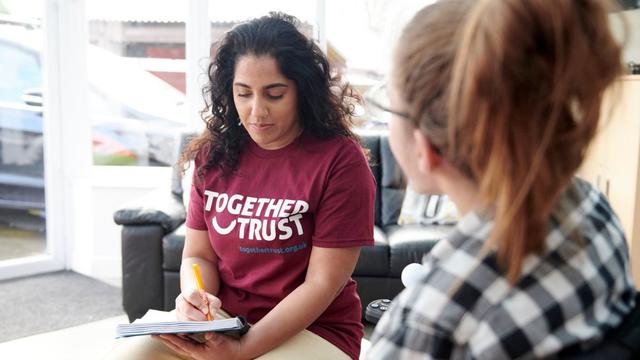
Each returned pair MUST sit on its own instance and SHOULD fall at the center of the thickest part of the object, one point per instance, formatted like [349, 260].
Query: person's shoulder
[413, 325]
[331, 141]
[583, 206]
[202, 156]
[200, 171]
[339, 147]
[445, 306]
[425, 308]
[580, 190]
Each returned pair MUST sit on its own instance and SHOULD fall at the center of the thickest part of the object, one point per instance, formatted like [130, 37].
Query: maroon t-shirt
[264, 220]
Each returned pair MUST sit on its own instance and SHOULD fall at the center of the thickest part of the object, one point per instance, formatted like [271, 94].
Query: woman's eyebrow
[270, 86]
[275, 85]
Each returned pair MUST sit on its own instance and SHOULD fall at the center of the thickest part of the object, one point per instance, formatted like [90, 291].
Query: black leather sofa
[153, 238]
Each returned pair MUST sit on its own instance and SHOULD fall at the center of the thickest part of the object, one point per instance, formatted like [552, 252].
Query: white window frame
[321, 24]
[67, 146]
[197, 44]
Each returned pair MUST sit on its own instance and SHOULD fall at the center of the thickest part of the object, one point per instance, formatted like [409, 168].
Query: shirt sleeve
[345, 215]
[195, 213]
[404, 332]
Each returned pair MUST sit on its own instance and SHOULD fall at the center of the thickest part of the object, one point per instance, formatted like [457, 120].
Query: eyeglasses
[378, 98]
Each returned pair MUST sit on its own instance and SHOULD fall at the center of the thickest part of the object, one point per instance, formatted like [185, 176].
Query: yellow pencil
[196, 272]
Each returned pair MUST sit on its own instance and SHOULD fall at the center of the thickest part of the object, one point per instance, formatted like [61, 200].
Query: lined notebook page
[162, 322]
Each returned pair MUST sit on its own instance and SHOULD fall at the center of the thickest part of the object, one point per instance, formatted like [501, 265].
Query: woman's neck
[463, 191]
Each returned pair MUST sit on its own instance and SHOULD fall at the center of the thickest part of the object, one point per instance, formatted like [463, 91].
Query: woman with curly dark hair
[281, 202]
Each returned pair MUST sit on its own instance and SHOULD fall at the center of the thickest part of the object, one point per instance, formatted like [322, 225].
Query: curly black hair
[325, 104]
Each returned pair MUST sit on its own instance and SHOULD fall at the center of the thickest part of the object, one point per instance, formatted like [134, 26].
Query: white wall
[632, 45]
[111, 189]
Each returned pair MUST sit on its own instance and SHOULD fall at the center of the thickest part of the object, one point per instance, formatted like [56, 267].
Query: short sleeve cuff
[343, 243]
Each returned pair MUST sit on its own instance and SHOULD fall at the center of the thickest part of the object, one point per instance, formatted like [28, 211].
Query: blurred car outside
[136, 117]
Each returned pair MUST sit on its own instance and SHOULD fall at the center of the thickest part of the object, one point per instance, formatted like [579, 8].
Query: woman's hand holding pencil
[196, 304]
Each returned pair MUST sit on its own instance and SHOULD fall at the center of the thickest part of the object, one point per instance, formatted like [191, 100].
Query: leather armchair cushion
[177, 176]
[171, 289]
[409, 243]
[392, 185]
[141, 269]
[160, 207]
[374, 260]
[172, 245]
[392, 176]
[391, 205]
[372, 143]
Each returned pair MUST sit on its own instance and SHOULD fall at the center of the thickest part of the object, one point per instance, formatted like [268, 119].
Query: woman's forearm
[208, 270]
[293, 314]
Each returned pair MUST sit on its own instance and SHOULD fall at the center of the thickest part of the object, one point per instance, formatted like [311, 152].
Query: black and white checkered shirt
[567, 298]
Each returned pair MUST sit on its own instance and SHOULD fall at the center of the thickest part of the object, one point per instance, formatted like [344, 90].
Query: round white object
[411, 274]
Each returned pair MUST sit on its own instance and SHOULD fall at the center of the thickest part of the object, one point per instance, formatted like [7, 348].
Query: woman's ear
[428, 158]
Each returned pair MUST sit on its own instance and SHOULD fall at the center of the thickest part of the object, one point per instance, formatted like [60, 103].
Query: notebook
[161, 322]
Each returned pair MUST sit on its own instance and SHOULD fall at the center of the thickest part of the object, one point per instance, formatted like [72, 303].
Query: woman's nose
[259, 109]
